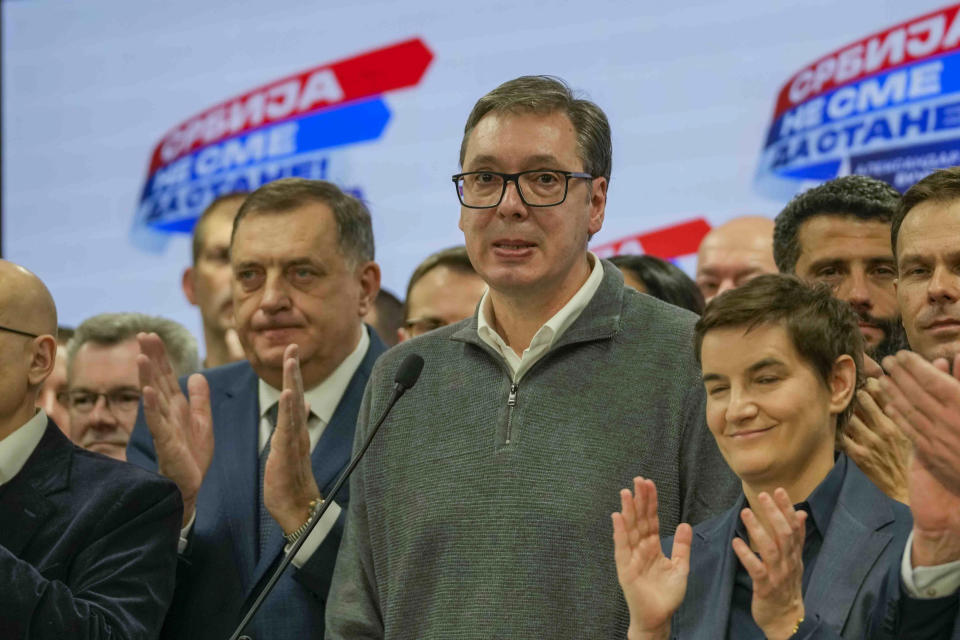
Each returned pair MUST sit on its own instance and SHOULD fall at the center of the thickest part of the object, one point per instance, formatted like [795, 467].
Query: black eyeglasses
[537, 188]
[17, 331]
[122, 400]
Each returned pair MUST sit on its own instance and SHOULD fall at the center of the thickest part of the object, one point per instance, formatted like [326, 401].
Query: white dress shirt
[323, 400]
[939, 581]
[549, 333]
[16, 448]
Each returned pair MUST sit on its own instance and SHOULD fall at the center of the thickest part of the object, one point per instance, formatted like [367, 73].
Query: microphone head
[409, 371]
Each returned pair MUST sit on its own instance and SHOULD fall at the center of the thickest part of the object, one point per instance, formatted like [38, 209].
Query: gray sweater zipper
[511, 402]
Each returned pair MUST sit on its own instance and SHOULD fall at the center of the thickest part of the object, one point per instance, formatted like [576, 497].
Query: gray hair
[354, 228]
[113, 328]
[544, 95]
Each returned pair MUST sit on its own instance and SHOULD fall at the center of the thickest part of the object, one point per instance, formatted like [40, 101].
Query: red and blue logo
[286, 128]
[886, 106]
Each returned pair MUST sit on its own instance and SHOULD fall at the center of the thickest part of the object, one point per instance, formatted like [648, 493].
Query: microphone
[407, 374]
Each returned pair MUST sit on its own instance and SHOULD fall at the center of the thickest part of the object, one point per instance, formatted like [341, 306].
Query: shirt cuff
[317, 536]
[185, 534]
[926, 583]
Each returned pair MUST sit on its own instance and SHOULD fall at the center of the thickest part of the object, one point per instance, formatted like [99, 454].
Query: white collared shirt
[549, 333]
[323, 399]
[17, 447]
[928, 582]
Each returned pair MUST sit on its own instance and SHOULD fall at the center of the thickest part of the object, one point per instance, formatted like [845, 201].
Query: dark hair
[389, 316]
[64, 334]
[663, 280]
[200, 227]
[544, 95]
[939, 186]
[454, 258]
[354, 228]
[858, 196]
[821, 327]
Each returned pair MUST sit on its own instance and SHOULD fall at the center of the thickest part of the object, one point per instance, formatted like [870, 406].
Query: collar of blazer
[858, 534]
[24, 500]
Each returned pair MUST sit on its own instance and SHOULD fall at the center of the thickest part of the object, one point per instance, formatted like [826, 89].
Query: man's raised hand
[182, 430]
[288, 483]
[925, 404]
[876, 443]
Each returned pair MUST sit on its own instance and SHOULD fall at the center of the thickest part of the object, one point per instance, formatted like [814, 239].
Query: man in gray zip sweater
[481, 509]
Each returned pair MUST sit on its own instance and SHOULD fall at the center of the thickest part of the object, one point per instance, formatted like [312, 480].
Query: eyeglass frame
[110, 404]
[515, 178]
[434, 323]
[19, 332]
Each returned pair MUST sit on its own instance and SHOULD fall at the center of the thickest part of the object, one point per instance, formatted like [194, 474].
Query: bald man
[735, 253]
[87, 544]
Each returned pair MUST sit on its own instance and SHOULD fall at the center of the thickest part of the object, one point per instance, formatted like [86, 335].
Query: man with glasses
[103, 381]
[87, 544]
[443, 289]
[480, 508]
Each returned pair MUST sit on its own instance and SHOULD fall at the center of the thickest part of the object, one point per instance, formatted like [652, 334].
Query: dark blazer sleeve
[113, 583]
[906, 618]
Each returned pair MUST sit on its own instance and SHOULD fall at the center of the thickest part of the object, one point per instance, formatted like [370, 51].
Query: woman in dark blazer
[812, 549]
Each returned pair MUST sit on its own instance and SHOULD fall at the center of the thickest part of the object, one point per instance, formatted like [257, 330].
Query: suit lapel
[705, 613]
[332, 452]
[235, 464]
[24, 499]
[850, 549]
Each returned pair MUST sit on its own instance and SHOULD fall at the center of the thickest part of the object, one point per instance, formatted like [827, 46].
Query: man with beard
[206, 283]
[838, 234]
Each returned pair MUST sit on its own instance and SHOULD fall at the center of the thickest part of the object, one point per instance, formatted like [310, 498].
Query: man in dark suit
[87, 544]
[780, 367]
[303, 277]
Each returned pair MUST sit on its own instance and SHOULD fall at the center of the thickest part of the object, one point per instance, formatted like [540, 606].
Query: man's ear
[368, 275]
[843, 383]
[186, 282]
[43, 359]
[598, 204]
